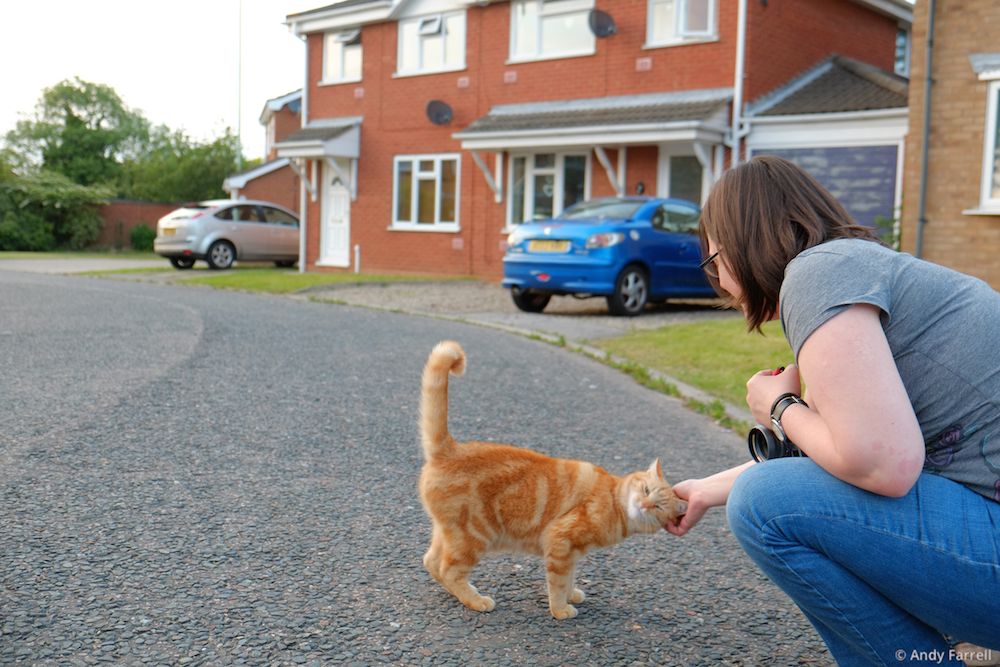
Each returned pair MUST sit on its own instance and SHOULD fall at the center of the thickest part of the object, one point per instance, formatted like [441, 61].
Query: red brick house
[275, 179]
[430, 128]
[959, 222]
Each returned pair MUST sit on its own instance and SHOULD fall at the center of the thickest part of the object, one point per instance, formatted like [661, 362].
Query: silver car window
[246, 213]
[279, 217]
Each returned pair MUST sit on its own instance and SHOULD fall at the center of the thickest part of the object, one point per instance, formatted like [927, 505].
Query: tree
[176, 168]
[80, 129]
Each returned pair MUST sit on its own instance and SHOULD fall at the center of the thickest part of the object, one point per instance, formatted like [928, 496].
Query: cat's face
[651, 500]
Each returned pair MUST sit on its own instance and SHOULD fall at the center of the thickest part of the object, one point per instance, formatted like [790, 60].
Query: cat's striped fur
[485, 497]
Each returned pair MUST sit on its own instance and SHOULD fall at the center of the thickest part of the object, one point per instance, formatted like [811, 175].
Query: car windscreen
[603, 209]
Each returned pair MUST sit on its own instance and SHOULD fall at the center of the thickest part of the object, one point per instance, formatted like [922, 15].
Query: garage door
[862, 178]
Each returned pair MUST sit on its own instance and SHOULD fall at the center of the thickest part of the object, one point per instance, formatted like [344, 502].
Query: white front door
[335, 232]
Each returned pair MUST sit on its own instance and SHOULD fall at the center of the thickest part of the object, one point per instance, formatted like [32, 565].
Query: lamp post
[239, 90]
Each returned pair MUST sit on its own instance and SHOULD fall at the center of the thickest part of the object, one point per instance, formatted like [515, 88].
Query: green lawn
[283, 281]
[718, 356]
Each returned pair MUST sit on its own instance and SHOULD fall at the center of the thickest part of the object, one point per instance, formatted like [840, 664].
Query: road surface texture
[190, 476]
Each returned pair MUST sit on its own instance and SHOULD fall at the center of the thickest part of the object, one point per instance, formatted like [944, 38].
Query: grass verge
[88, 254]
[717, 356]
[278, 281]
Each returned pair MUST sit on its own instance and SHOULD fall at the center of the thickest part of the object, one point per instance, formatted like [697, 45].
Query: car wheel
[182, 262]
[529, 301]
[221, 255]
[285, 263]
[631, 292]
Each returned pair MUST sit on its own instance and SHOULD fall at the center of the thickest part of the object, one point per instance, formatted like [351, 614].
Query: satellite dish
[439, 112]
[601, 23]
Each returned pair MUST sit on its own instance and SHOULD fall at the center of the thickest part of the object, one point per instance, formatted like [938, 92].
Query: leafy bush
[24, 230]
[142, 237]
[45, 210]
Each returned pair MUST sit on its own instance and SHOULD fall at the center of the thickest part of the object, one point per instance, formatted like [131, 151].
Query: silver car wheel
[221, 255]
[631, 292]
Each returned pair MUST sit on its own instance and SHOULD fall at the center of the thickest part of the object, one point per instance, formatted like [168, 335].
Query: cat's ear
[656, 470]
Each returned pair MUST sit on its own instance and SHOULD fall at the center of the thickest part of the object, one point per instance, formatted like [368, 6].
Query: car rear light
[543, 277]
[605, 240]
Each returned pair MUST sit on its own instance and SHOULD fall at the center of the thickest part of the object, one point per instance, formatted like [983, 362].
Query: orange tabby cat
[484, 498]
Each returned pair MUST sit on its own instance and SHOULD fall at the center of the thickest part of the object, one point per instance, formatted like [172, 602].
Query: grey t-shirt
[943, 328]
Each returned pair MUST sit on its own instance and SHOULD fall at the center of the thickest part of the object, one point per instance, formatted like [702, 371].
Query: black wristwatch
[778, 408]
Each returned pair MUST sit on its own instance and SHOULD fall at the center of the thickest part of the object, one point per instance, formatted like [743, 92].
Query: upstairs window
[542, 29]
[679, 21]
[431, 44]
[901, 64]
[342, 57]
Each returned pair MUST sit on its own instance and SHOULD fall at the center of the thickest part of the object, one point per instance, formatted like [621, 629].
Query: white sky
[177, 62]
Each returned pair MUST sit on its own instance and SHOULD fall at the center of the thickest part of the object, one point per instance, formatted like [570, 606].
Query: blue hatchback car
[630, 250]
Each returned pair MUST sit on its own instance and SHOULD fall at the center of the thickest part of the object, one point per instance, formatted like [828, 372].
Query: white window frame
[433, 25]
[415, 177]
[991, 162]
[682, 36]
[553, 10]
[341, 41]
[530, 171]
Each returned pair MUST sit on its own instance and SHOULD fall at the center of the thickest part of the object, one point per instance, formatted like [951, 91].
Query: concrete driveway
[488, 304]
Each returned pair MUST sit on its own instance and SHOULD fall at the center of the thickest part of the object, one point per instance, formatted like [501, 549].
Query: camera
[764, 445]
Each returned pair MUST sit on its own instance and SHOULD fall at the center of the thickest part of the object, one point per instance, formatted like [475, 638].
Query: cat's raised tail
[446, 357]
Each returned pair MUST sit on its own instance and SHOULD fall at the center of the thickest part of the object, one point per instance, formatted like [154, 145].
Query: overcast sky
[177, 62]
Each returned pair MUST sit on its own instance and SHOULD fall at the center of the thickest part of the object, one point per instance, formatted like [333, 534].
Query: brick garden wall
[122, 216]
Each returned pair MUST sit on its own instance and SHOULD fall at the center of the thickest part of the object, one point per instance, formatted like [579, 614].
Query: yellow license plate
[543, 245]
[169, 231]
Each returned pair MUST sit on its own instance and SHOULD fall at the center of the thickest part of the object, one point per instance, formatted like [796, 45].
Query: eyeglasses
[708, 265]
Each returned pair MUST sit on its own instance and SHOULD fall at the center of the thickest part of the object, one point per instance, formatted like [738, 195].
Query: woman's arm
[860, 425]
[703, 494]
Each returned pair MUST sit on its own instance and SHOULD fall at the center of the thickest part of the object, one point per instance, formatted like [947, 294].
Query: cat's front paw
[481, 603]
[577, 596]
[569, 611]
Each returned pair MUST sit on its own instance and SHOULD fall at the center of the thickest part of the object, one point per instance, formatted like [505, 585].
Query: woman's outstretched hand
[702, 495]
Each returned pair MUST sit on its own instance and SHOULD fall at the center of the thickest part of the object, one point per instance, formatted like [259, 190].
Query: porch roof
[836, 85]
[325, 138]
[692, 115]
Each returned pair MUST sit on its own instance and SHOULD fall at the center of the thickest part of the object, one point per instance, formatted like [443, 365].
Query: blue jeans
[881, 579]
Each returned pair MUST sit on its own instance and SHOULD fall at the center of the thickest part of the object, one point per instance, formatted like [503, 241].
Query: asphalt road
[190, 476]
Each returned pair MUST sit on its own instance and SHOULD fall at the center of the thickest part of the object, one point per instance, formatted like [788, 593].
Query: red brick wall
[968, 243]
[121, 216]
[803, 32]
[280, 187]
[285, 122]
[786, 38]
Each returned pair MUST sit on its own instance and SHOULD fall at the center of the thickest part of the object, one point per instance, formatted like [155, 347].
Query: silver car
[221, 231]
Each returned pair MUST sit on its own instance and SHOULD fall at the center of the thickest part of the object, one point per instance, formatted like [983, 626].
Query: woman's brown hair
[763, 213]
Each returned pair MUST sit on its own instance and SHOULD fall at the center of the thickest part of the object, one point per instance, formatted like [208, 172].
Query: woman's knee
[769, 490]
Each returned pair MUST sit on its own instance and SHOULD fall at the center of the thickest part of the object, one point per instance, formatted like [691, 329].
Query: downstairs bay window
[545, 184]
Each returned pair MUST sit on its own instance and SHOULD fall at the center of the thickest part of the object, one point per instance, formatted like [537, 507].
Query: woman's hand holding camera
[766, 386]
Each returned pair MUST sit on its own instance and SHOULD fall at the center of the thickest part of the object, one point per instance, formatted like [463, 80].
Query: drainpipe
[303, 204]
[737, 133]
[928, 61]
